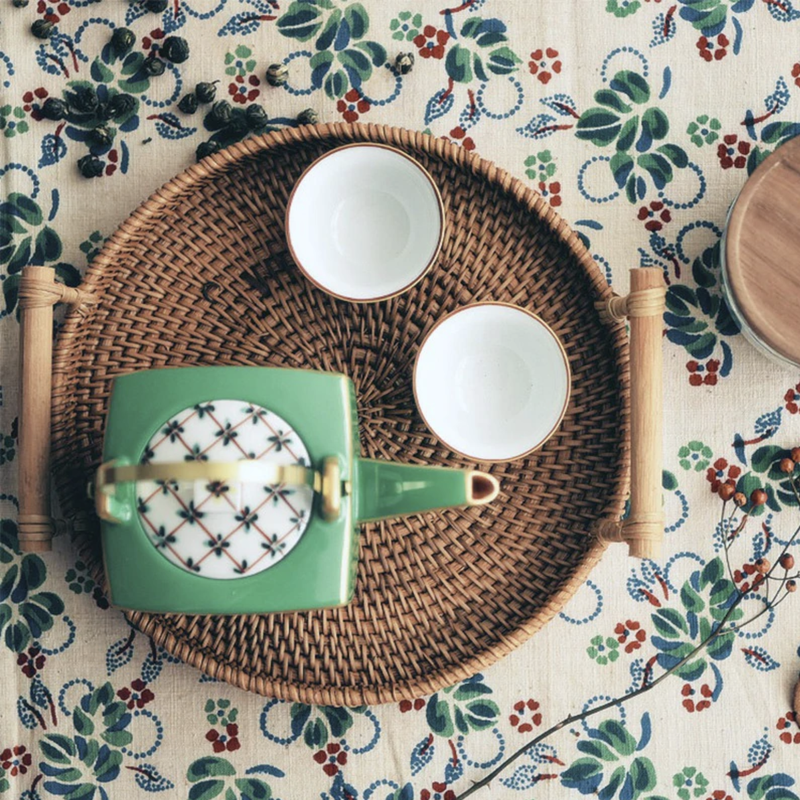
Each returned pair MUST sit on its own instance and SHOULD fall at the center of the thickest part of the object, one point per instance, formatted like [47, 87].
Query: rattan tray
[200, 274]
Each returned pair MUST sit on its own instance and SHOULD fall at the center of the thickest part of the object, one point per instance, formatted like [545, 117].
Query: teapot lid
[761, 254]
[220, 530]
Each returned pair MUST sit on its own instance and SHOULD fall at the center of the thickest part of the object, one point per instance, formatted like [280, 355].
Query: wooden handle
[38, 293]
[643, 529]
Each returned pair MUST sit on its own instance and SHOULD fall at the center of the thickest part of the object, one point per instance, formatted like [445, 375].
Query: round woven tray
[200, 274]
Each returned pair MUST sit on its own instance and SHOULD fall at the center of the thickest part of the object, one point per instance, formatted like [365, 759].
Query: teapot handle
[38, 293]
[643, 528]
[327, 482]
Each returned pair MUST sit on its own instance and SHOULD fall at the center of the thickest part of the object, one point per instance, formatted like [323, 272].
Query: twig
[716, 632]
[605, 706]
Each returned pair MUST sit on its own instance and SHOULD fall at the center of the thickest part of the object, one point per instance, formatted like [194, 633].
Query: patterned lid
[224, 530]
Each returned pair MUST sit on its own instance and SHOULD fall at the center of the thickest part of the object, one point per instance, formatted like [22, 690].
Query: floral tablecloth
[638, 120]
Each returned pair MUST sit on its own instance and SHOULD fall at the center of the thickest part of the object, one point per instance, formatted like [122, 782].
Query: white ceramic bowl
[492, 381]
[364, 222]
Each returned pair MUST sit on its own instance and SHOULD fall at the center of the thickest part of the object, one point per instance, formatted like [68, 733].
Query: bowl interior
[364, 222]
[492, 381]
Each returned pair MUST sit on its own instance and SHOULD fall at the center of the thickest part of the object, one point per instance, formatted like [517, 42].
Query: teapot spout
[386, 490]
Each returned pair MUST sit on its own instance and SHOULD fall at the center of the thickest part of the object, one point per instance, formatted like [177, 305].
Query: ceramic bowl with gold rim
[492, 381]
[365, 222]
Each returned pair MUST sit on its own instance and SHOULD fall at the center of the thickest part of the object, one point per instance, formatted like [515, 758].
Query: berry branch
[783, 586]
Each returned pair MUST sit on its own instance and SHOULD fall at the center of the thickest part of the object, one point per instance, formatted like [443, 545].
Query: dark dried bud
[206, 92]
[101, 136]
[54, 109]
[154, 66]
[84, 100]
[404, 63]
[19, 3]
[188, 104]
[121, 104]
[207, 149]
[90, 166]
[237, 128]
[257, 118]
[277, 74]
[219, 116]
[122, 40]
[308, 117]
[42, 28]
[103, 112]
[175, 49]
[156, 6]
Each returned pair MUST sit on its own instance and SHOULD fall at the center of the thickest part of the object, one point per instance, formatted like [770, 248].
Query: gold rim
[557, 423]
[433, 257]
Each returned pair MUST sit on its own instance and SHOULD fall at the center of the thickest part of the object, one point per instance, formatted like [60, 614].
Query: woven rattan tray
[200, 274]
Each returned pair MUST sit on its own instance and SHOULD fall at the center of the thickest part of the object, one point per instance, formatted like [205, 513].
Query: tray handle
[643, 528]
[38, 293]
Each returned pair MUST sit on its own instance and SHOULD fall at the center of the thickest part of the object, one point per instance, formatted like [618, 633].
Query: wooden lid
[762, 252]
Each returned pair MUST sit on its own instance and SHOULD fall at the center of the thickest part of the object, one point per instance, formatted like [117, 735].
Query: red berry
[726, 491]
[786, 465]
[787, 561]
[758, 497]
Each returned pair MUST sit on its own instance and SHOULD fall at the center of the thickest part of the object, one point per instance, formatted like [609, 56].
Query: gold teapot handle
[327, 483]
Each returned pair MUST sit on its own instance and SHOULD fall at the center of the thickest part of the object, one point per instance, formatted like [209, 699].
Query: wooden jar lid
[762, 253]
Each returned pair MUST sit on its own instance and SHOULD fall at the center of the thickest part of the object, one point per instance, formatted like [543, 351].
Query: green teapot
[250, 503]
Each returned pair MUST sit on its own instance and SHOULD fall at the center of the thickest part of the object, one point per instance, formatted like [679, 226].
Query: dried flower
[762, 565]
[238, 126]
[54, 109]
[205, 149]
[156, 6]
[83, 100]
[308, 117]
[188, 103]
[101, 136]
[740, 498]
[175, 49]
[42, 28]
[122, 40]
[90, 166]
[758, 497]
[219, 116]
[121, 104]
[404, 63]
[103, 112]
[277, 74]
[257, 118]
[154, 66]
[791, 586]
[206, 92]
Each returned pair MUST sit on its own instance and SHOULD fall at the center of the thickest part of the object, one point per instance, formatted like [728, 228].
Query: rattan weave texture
[200, 274]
